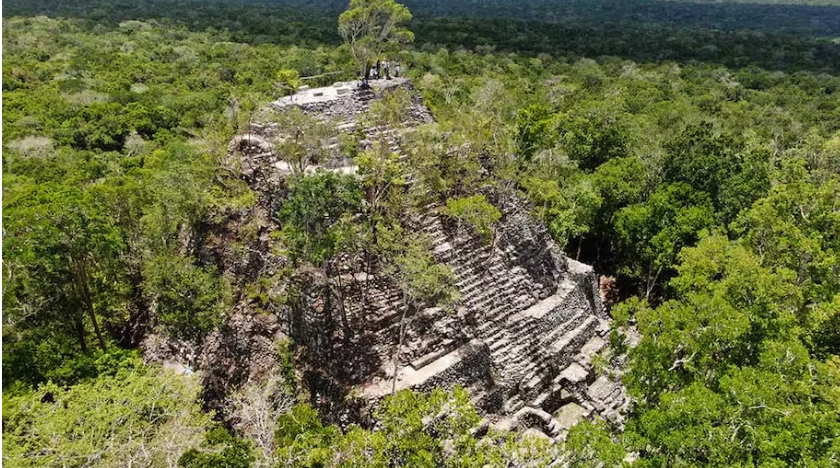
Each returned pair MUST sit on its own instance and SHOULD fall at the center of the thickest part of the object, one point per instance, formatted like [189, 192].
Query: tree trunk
[138, 314]
[79, 328]
[652, 282]
[82, 281]
[399, 347]
[368, 270]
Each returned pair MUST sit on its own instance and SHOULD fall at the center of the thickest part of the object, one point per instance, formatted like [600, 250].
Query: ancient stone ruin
[528, 324]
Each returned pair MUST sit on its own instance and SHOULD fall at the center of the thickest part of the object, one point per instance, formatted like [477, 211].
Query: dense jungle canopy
[688, 150]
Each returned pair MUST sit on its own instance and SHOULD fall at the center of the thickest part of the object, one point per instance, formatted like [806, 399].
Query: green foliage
[61, 247]
[412, 430]
[593, 141]
[567, 211]
[302, 140]
[30, 362]
[286, 356]
[476, 211]
[620, 182]
[302, 440]
[796, 228]
[91, 225]
[144, 416]
[442, 164]
[315, 216]
[721, 372]
[288, 79]
[717, 165]
[422, 280]
[371, 27]
[408, 419]
[650, 235]
[536, 129]
[114, 135]
[191, 300]
[227, 452]
[590, 444]
[391, 111]
[383, 181]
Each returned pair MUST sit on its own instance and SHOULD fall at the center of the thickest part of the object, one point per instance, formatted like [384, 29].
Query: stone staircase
[540, 329]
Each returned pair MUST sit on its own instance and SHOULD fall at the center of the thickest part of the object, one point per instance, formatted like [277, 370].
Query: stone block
[569, 415]
[574, 374]
[601, 389]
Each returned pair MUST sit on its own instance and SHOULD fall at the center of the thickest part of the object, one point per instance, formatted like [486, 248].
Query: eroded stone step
[441, 349]
[563, 328]
[408, 377]
[580, 333]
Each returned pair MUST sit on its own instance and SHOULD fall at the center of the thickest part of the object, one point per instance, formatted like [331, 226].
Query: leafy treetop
[369, 27]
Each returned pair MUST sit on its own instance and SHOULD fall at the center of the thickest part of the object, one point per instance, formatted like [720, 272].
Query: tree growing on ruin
[288, 80]
[423, 282]
[371, 27]
[476, 212]
[318, 226]
[412, 429]
[302, 140]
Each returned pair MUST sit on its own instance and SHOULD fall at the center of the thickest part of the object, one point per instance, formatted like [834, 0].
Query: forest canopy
[688, 151]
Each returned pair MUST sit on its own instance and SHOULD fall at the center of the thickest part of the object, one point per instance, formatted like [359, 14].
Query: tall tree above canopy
[370, 26]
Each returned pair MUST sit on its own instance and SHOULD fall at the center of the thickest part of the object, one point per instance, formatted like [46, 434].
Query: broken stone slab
[536, 433]
[426, 359]
[540, 309]
[569, 415]
[444, 247]
[591, 348]
[615, 399]
[536, 418]
[361, 276]
[601, 389]
[506, 424]
[311, 96]
[513, 405]
[578, 334]
[574, 373]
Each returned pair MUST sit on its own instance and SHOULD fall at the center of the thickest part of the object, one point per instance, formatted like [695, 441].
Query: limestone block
[569, 415]
[601, 389]
[512, 405]
[591, 348]
[574, 374]
[506, 424]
